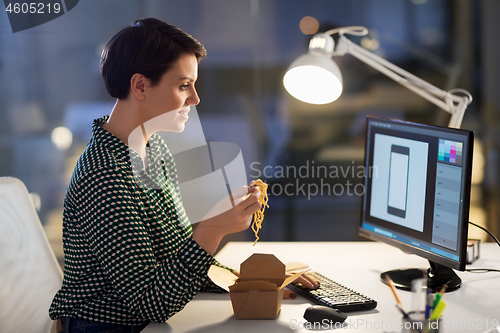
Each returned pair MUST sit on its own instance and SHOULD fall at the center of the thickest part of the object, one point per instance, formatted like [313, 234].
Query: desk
[357, 265]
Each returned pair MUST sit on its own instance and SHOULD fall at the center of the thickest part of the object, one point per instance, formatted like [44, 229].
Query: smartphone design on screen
[398, 180]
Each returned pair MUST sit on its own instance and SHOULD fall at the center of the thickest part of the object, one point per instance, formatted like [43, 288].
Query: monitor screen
[417, 194]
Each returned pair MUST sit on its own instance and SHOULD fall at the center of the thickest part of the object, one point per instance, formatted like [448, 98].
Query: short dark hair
[149, 47]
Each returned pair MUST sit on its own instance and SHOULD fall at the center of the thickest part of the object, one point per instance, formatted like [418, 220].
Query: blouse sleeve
[110, 220]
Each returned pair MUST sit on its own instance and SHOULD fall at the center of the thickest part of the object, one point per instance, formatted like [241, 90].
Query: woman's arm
[110, 219]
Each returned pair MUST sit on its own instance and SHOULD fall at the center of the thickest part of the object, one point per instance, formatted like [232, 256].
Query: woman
[130, 256]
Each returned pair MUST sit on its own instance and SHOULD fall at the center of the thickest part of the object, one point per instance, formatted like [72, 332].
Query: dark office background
[50, 78]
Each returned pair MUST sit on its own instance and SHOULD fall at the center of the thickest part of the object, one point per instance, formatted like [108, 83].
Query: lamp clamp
[322, 43]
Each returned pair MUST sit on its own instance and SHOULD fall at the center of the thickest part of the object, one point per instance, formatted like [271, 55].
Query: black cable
[485, 230]
[483, 270]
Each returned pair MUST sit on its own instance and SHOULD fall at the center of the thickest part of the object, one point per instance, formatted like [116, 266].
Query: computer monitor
[416, 196]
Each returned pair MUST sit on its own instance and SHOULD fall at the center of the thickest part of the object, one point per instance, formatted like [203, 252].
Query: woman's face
[168, 102]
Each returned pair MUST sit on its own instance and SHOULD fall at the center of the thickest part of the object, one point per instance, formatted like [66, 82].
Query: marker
[438, 311]
[437, 299]
[440, 294]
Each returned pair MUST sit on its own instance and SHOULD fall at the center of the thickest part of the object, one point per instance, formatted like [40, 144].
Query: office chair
[29, 273]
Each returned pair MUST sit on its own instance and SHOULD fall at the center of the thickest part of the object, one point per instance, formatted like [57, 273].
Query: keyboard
[334, 295]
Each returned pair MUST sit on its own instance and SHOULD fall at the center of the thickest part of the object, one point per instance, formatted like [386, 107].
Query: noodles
[258, 217]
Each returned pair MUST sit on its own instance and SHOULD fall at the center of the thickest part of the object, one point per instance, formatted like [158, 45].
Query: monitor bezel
[407, 248]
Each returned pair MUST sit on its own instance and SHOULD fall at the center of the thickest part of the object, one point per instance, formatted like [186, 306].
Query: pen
[429, 305]
[405, 316]
[443, 289]
[403, 312]
[399, 305]
[393, 289]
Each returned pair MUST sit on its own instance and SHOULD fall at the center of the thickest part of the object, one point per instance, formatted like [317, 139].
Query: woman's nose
[194, 99]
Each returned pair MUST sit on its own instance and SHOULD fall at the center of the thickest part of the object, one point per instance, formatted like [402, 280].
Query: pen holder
[410, 325]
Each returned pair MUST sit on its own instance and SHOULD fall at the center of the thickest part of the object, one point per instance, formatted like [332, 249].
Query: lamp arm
[446, 100]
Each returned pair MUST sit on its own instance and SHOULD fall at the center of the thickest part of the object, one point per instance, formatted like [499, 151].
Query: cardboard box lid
[292, 278]
[262, 266]
[222, 277]
[225, 279]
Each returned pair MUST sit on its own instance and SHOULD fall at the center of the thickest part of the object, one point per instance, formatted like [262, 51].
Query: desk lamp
[316, 79]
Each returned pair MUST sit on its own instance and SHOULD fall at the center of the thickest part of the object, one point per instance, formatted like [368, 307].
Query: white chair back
[29, 273]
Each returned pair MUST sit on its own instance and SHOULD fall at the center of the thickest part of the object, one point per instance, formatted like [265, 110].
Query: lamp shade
[314, 78]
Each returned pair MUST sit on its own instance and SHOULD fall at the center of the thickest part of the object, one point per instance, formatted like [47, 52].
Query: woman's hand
[306, 280]
[209, 232]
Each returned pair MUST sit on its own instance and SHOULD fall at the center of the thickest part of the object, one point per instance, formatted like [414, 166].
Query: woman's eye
[184, 86]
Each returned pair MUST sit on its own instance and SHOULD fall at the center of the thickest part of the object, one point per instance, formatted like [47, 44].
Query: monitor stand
[437, 275]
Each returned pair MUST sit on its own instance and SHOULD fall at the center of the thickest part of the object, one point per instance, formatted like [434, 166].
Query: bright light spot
[312, 84]
[478, 216]
[309, 25]
[37, 202]
[478, 163]
[370, 43]
[61, 137]
[99, 48]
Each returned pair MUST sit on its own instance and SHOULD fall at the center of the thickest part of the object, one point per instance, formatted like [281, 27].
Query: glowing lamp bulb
[314, 79]
[311, 84]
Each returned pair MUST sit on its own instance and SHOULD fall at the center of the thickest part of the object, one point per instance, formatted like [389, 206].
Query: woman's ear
[138, 86]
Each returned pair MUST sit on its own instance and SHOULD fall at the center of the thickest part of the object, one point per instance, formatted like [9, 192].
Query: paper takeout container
[258, 292]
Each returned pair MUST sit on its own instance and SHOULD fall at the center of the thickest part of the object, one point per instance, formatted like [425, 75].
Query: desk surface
[475, 307]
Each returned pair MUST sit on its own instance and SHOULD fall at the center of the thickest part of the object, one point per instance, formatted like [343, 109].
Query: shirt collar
[155, 177]
[116, 146]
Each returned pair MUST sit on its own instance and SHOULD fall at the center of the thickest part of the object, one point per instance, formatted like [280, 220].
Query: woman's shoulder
[96, 157]
[96, 164]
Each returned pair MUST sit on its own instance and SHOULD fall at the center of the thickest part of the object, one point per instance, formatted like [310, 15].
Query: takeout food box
[258, 292]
